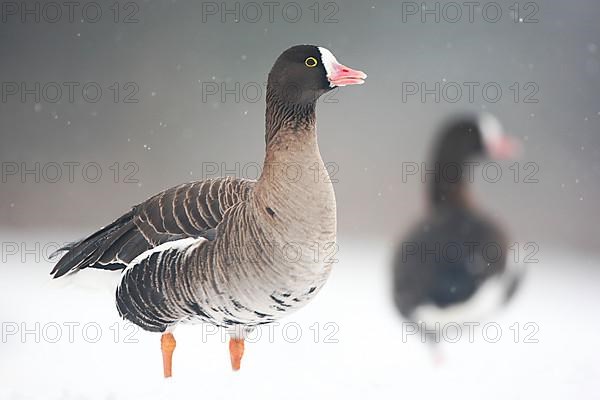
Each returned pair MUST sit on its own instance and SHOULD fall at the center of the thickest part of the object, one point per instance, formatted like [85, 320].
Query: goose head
[301, 74]
[469, 137]
[496, 144]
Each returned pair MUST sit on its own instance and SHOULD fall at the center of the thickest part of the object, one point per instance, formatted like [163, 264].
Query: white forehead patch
[490, 127]
[328, 60]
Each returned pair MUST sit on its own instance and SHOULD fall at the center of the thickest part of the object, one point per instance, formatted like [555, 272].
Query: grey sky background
[176, 130]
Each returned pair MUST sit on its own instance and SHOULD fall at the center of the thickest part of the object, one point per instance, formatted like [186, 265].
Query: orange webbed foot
[236, 351]
[167, 345]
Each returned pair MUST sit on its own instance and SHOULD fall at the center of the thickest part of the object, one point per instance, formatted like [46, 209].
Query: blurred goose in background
[452, 267]
[211, 251]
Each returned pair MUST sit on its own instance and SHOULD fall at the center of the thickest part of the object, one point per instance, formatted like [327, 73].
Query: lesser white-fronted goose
[453, 265]
[211, 251]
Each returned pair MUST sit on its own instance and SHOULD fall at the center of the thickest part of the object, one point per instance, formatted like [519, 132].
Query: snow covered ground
[348, 343]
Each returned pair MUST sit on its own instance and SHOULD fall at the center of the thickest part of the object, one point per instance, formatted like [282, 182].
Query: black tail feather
[88, 251]
[66, 247]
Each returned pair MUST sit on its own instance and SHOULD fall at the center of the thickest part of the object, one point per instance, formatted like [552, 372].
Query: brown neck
[448, 193]
[291, 118]
[450, 186]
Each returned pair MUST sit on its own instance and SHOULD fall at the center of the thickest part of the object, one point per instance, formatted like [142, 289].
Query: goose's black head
[460, 140]
[303, 73]
[469, 137]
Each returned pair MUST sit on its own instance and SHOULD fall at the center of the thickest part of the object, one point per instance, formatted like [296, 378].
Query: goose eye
[311, 62]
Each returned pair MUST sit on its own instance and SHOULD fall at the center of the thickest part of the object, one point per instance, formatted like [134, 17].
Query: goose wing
[447, 259]
[190, 210]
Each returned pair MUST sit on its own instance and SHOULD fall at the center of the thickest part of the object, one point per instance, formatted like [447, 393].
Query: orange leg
[236, 351]
[167, 345]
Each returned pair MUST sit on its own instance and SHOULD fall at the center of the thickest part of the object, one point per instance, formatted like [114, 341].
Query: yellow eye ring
[311, 62]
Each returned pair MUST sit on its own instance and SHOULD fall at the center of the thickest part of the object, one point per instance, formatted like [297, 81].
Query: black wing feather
[189, 210]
